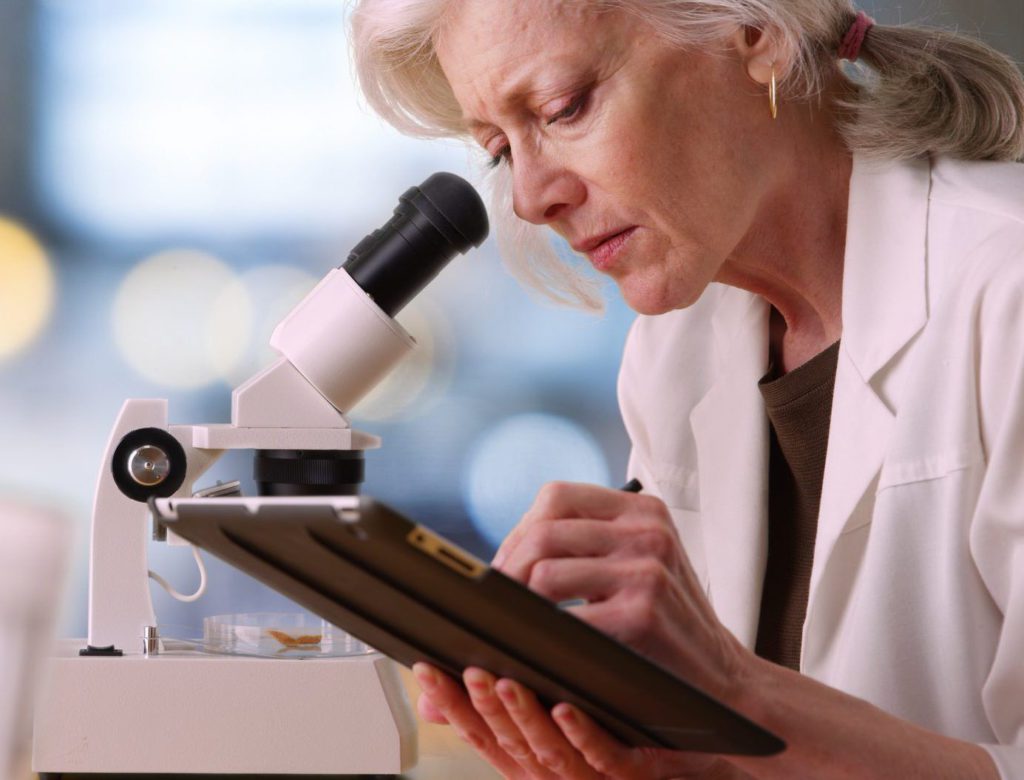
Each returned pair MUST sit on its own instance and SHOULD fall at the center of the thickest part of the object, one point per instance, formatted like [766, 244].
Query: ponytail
[935, 92]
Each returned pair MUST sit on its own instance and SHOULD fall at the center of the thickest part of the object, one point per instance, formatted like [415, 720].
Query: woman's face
[648, 159]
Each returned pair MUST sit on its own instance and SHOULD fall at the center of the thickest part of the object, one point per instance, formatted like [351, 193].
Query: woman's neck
[794, 255]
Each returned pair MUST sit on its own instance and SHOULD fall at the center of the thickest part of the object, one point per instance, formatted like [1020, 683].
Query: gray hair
[921, 91]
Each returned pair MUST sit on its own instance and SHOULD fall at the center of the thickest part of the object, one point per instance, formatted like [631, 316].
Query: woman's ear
[760, 51]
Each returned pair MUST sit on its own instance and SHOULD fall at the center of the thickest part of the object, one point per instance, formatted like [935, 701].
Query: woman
[825, 387]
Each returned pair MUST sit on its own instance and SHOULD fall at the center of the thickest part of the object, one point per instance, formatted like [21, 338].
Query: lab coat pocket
[679, 490]
[926, 467]
[926, 498]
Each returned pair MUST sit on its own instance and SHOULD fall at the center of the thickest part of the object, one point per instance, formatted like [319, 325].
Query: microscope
[126, 700]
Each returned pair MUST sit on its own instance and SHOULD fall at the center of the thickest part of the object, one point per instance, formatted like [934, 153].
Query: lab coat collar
[730, 431]
[884, 282]
[885, 305]
[885, 265]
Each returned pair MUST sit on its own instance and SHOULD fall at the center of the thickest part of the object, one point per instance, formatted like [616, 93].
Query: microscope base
[188, 712]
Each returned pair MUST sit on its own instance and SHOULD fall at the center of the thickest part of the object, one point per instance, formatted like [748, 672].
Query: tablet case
[415, 596]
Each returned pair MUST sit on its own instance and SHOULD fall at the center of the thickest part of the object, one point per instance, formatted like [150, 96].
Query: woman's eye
[504, 155]
[571, 111]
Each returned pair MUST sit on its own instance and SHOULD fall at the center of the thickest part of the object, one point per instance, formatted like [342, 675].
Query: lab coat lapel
[884, 307]
[730, 429]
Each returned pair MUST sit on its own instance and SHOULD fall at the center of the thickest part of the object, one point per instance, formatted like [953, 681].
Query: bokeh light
[182, 319]
[26, 288]
[233, 117]
[273, 291]
[510, 463]
[418, 381]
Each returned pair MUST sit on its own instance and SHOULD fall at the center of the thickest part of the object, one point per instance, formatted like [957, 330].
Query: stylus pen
[633, 486]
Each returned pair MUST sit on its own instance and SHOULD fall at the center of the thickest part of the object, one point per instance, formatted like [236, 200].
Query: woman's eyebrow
[523, 84]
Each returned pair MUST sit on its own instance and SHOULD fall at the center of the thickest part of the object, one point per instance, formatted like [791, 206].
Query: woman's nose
[544, 190]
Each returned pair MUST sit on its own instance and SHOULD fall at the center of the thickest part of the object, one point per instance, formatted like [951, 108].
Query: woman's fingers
[429, 711]
[566, 501]
[607, 756]
[576, 520]
[480, 685]
[565, 539]
[563, 500]
[548, 745]
[598, 579]
[564, 579]
[604, 754]
[511, 730]
[454, 705]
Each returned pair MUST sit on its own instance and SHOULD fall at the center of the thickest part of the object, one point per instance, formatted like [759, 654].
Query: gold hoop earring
[773, 95]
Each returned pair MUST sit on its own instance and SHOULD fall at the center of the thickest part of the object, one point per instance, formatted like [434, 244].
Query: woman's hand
[620, 553]
[510, 729]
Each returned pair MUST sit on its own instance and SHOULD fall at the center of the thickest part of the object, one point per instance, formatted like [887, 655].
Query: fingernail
[426, 676]
[564, 714]
[475, 681]
[509, 695]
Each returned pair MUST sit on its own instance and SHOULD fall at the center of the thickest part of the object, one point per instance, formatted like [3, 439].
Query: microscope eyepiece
[433, 222]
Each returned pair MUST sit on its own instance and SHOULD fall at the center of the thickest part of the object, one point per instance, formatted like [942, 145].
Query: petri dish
[279, 635]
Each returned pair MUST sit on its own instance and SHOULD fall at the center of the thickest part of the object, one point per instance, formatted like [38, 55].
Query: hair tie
[849, 49]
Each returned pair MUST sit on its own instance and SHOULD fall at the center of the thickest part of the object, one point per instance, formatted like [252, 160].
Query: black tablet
[415, 596]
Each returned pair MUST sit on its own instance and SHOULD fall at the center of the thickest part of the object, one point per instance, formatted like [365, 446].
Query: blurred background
[175, 175]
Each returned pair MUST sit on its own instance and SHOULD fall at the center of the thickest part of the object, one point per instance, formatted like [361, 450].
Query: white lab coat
[917, 590]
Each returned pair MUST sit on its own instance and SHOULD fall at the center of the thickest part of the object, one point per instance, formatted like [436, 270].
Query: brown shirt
[799, 405]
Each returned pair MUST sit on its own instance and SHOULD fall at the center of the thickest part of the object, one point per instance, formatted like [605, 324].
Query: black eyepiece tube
[431, 224]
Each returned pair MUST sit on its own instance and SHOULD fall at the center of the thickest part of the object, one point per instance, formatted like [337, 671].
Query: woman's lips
[603, 256]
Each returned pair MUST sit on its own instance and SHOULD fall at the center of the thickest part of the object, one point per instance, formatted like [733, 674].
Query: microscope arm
[119, 599]
[275, 409]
